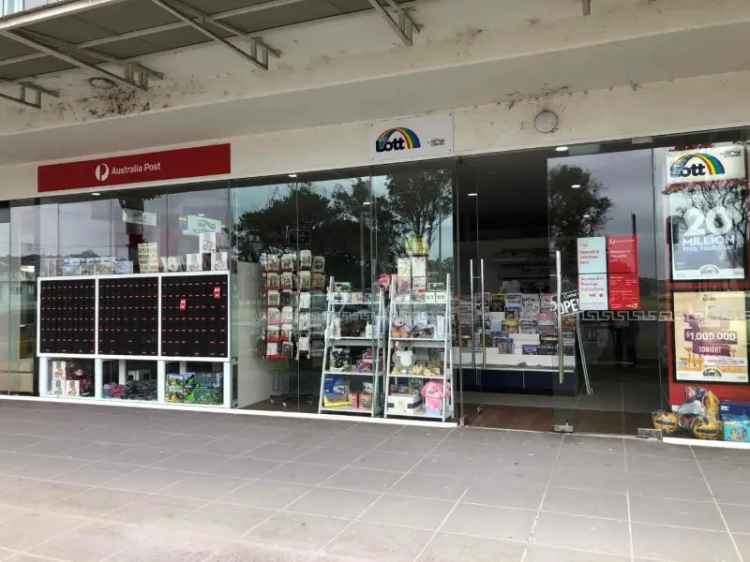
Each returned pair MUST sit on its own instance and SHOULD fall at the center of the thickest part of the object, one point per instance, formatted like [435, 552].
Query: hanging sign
[706, 195]
[134, 216]
[411, 138]
[710, 333]
[136, 168]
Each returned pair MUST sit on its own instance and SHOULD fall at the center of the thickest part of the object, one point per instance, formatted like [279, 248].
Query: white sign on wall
[411, 138]
[592, 291]
[592, 255]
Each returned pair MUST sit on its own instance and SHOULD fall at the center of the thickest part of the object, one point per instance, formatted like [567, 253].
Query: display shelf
[338, 384]
[435, 391]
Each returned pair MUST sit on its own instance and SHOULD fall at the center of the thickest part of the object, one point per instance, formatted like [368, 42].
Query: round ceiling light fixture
[546, 121]
[101, 83]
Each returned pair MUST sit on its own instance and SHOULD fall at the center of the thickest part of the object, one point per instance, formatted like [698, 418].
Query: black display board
[129, 316]
[67, 316]
[195, 316]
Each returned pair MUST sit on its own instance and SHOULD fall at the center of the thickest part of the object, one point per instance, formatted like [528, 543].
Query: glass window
[139, 231]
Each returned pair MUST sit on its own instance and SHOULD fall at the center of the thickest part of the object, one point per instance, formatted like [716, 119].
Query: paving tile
[247, 467]
[592, 459]
[330, 456]
[737, 516]
[656, 448]
[668, 486]
[491, 522]
[675, 467]
[279, 452]
[378, 543]
[688, 545]
[592, 479]
[265, 495]
[363, 479]
[583, 533]
[300, 473]
[23, 530]
[504, 493]
[202, 486]
[539, 553]
[35, 494]
[731, 492]
[662, 511]
[419, 513]
[222, 520]
[193, 461]
[96, 502]
[296, 530]
[333, 503]
[248, 552]
[594, 503]
[89, 543]
[149, 546]
[452, 548]
[395, 461]
[441, 487]
[743, 544]
[155, 511]
[146, 480]
[94, 474]
[140, 456]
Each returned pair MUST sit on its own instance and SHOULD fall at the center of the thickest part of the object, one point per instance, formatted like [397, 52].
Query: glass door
[601, 227]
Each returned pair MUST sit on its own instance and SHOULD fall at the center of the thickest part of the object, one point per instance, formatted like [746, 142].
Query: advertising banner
[710, 333]
[592, 255]
[592, 291]
[706, 195]
[624, 276]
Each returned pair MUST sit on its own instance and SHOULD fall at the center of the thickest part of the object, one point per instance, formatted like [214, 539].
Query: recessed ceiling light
[366, 203]
[562, 149]
[575, 186]
[96, 194]
[472, 195]
[292, 175]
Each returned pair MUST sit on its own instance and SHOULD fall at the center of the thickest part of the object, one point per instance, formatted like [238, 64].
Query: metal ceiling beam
[51, 11]
[30, 95]
[258, 54]
[73, 60]
[586, 7]
[400, 20]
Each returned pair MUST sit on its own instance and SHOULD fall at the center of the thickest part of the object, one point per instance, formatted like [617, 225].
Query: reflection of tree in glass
[577, 209]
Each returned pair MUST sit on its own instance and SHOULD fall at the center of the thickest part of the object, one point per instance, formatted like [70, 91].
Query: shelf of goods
[419, 361]
[155, 337]
[351, 377]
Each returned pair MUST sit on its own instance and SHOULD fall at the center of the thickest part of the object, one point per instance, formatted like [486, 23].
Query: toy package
[699, 416]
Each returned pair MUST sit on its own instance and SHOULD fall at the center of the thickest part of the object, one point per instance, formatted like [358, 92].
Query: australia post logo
[397, 139]
[102, 172]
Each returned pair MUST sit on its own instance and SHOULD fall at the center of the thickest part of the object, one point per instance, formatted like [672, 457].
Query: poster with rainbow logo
[706, 194]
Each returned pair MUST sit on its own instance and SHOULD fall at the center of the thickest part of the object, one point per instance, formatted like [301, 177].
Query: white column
[227, 381]
[98, 378]
[122, 371]
[161, 381]
[43, 376]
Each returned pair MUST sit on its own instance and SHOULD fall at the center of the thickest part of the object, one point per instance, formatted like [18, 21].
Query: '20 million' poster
[710, 336]
[706, 191]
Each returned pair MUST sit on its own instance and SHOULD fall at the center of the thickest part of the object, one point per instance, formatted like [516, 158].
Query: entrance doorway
[522, 221]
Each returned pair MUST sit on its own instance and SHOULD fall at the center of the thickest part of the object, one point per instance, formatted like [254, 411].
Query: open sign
[569, 303]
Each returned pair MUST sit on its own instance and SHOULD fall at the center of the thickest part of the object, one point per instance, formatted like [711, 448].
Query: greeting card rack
[176, 324]
[419, 361]
[351, 377]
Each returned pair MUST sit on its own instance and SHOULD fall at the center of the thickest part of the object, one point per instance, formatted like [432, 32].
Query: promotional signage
[706, 195]
[708, 164]
[136, 168]
[134, 216]
[623, 273]
[710, 337]
[195, 225]
[411, 138]
[608, 275]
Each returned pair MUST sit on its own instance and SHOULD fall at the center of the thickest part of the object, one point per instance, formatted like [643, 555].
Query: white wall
[693, 104]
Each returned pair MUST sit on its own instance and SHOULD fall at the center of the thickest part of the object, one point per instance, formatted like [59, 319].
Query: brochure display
[173, 326]
[419, 361]
[352, 372]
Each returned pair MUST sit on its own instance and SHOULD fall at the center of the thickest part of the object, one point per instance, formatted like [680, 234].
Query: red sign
[622, 254]
[624, 291]
[154, 166]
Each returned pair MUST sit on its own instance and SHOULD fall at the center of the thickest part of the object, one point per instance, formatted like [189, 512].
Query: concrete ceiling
[640, 60]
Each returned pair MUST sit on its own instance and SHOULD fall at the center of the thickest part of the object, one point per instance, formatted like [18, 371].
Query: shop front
[596, 288]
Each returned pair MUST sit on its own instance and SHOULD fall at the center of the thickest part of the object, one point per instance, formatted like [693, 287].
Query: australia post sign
[136, 168]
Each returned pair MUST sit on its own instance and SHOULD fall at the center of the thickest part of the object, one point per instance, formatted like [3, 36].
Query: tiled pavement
[86, 484]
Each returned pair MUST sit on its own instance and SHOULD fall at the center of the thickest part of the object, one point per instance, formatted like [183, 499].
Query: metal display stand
[337, 302]
[161, 360]
[408, 305]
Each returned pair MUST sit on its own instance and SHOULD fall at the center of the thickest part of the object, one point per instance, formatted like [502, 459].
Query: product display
[129, 316]
[72, 378]
[67, 316]
[420, 352]
[195, 313]
[699, 416]
[195, 388]
[353, 353]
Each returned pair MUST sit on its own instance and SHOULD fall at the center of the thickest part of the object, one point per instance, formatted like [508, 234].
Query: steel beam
[402, 24]
[30, 95]
[66, 57]
[257, 56]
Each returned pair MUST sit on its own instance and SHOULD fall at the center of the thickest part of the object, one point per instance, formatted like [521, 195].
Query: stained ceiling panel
[36, 67]
[304, 11]
[10, 49]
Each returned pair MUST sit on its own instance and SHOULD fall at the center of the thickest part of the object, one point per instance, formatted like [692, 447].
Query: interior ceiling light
[472, 195]
[96, 194]
[292, 175]
[101, 83]
[561, 149]
[575, 186]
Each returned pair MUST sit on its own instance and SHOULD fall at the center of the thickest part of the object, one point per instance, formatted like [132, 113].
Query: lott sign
[136, 168]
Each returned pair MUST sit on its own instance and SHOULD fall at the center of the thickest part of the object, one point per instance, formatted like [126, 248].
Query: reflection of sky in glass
[627, 179]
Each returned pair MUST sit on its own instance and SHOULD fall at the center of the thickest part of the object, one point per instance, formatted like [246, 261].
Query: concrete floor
[84, 483]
